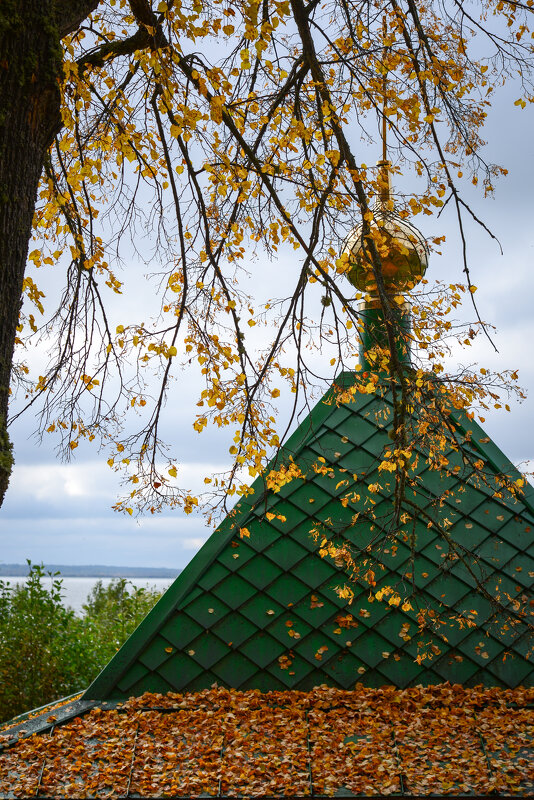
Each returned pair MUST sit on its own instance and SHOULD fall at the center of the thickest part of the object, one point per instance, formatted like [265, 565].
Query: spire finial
[384, 165]
[402, 249]
[403, 255]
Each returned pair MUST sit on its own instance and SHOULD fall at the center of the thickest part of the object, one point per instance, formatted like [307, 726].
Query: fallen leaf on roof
[441, 740]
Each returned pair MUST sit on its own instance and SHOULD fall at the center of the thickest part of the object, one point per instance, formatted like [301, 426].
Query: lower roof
[441, 740]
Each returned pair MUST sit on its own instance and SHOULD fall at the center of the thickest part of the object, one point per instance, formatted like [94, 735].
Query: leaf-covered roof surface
[257, 607]
[439, 740]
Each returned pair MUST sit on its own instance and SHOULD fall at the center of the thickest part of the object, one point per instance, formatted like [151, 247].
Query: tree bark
[30, 72]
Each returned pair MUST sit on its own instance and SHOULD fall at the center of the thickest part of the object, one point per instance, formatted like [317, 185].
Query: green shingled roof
[262, 612]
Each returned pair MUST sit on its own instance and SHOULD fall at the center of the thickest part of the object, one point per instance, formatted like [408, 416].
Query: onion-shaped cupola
[404, 259]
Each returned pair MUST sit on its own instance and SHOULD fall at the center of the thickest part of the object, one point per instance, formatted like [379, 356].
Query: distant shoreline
[91, 571]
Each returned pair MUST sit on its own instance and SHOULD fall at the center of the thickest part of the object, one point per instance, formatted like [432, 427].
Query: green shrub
[46, 651]
[110, 614]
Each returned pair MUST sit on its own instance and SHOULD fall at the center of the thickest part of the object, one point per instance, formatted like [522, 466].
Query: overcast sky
[61, 513]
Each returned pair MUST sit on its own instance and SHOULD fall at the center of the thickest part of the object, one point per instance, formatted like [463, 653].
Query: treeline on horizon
[46, 650]
[89, 571]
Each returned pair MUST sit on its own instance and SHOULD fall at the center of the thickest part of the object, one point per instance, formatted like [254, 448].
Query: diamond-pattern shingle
[266, 610]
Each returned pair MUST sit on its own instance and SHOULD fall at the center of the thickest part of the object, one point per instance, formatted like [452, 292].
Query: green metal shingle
[263, 612]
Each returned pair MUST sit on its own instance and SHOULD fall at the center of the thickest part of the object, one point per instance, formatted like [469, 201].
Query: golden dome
[401, 246]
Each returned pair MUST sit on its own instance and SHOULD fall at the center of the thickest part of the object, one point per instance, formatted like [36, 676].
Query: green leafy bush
[46, 651]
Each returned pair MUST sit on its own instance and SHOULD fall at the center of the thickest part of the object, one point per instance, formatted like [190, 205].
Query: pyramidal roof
[257, 607]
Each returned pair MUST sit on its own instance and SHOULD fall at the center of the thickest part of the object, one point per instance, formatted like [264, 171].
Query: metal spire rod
[384, 165]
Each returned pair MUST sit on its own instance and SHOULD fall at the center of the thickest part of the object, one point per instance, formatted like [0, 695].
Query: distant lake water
[76, 590]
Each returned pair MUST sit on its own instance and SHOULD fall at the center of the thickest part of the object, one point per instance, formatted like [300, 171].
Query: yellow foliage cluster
[231, 124]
